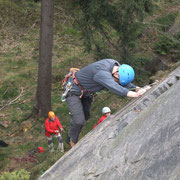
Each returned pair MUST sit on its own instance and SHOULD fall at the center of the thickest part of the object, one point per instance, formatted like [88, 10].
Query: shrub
[177, 36]
[166, 21]
[140, 63]
[166, 45]
[21, 174]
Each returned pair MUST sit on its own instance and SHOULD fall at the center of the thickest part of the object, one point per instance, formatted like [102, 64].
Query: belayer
[106, 111]
[53, 128]
[106, 73]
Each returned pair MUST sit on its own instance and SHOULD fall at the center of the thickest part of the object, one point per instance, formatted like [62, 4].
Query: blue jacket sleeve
[106, 80]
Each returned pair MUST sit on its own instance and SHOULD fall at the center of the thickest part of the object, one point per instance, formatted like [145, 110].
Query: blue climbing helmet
[126, 74]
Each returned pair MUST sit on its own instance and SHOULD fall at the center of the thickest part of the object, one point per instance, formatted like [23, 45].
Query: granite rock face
[140, 142]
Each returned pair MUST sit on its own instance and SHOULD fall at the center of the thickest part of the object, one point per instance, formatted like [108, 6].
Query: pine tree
[110, 25]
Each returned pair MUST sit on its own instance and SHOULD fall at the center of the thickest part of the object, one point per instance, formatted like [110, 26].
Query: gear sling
[72, 73]
[68, 85]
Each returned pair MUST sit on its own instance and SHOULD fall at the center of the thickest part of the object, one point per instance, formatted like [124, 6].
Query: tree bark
[43, 94]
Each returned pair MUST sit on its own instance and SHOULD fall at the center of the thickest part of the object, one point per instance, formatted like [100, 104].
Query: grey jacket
[98, 76]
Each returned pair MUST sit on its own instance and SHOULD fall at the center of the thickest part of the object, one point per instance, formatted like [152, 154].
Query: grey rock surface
[140, 142]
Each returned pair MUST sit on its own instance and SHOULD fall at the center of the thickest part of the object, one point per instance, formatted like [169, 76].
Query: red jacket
[52, 126]
[102, 118]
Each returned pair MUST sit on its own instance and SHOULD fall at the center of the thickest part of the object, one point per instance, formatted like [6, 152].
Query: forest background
[144, 34]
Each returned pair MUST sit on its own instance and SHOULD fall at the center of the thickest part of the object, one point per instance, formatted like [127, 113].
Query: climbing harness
[72, 73]
[78, 84]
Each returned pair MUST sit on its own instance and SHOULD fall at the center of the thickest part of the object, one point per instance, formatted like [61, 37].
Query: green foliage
[99, 20]
[21, 174]
[167, 45]
[140, 64]
[166, 21]
[177, 36]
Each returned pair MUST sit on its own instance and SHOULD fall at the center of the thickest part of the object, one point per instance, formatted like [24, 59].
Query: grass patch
[2, 157]
[8, 90]
[62, 110]
[25, 76]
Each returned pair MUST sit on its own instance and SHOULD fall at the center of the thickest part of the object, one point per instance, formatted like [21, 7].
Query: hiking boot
[69, 141]
[61, 147]
[51, 147]
[72, 143]
[51, 150]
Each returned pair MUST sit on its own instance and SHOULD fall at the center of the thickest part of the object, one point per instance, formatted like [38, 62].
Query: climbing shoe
[61, 147]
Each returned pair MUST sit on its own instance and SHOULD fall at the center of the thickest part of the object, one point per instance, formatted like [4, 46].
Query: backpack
[66, 77]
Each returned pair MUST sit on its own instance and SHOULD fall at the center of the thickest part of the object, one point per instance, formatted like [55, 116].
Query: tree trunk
[43, 94]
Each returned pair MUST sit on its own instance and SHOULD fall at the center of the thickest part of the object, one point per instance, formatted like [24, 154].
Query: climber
[106, 73]
[53, 128]
[106, 111]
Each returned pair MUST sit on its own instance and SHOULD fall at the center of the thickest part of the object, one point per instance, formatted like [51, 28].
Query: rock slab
[140, 142]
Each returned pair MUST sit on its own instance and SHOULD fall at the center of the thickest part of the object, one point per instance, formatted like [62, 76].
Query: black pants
[79, 109]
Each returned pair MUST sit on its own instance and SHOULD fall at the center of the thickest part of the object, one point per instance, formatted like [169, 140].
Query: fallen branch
[14, 100]
[151, 23]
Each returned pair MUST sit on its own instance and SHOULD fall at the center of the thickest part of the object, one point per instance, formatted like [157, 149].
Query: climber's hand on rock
[141, 91]
[147, 87]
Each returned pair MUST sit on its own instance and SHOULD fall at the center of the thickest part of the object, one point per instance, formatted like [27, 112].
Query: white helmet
[106, 110]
